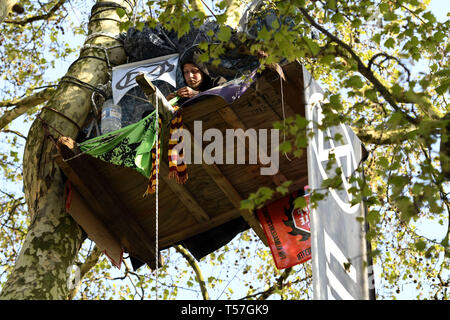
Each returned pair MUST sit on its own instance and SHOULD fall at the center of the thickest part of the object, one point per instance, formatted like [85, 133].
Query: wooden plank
[165, 110]
[96, 230]
[196, 229]
[231, 118]
[231, 193]
[202, 108]
[184, 195]
[104, 202]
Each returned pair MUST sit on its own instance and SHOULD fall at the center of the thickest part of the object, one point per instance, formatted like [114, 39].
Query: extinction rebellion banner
[340, 264]
[287, 230]
[161, 68]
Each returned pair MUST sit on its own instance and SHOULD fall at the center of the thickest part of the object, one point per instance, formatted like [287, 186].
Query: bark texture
[5, 8]
[23, 105]
[53, 238]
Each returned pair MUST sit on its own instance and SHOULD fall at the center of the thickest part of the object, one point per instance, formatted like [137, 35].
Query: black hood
[208, 81]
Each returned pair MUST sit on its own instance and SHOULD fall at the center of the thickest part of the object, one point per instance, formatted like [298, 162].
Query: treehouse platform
[108, 203]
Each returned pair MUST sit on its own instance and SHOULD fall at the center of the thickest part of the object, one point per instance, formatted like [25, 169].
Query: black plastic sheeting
[158, 41]
[155, 42]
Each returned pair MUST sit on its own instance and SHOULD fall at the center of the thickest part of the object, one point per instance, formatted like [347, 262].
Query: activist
[197, 79]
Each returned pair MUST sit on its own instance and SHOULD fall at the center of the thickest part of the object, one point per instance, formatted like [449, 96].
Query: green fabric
[129, 146]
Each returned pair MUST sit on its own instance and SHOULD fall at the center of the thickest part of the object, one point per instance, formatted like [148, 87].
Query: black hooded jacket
[208, 81]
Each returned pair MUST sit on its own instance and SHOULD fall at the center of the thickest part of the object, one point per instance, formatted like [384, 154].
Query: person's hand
[170, 96]
[186, 92]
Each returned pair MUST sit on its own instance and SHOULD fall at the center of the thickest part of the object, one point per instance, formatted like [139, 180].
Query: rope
[46, 125]
[157, 196]
[104, 49]
[82, 84]
[208, 9]
[62, 115]
[102, 34]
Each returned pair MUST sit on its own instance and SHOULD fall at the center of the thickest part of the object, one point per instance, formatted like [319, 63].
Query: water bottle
[111, 117]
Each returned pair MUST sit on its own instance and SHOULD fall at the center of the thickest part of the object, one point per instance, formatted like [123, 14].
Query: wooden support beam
[104, 201]
[231, 193]
[155, 96]
[184, 195]
[176, 237]
[231, 118]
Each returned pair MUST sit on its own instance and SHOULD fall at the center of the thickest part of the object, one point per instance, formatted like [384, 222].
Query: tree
[9, 5]
[54, 239]
[363, 53]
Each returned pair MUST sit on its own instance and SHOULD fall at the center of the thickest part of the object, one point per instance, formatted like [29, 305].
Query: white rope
[102, 34]
[156, 197]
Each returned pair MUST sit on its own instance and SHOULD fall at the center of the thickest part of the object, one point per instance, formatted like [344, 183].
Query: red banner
[287, 230]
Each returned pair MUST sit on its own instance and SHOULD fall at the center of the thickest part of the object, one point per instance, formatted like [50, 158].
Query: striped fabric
[177, 166]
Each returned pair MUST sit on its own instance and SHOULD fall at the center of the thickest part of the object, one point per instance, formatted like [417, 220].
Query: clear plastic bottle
[111, 117]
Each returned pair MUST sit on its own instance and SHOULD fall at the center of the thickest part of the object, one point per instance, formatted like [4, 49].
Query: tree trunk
[5, 8]
[53, 238]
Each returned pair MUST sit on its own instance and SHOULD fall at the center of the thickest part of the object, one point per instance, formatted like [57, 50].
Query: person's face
[192, 75]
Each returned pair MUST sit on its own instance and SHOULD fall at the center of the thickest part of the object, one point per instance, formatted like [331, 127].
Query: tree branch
[382, 137]
[191, 260]
[46, 16]
[88, 264]
[17, 133]
[362, 68]
[278, 286]
[388, 57]
[23, 105]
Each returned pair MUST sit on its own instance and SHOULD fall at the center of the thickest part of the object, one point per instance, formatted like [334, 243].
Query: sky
[440, 9]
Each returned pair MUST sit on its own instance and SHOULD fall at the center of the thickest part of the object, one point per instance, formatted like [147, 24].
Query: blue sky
[440, 9]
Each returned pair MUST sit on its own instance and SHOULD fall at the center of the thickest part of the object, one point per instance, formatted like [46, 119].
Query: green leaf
[285, 147]
[420, 245]
[390, 16]
[331, 4]
[389, 43]
[429, 16]
[300, 203]
[313, 46]
[247, 204]
[327, 59]
[373, 217]
[140, 25]
[337, 18]
[383, 161]
[264, 34]
[301, 122]
[284, 187]
[376, 38]
[120, 12]
[355, 82]
[224, 34]
[384, 7]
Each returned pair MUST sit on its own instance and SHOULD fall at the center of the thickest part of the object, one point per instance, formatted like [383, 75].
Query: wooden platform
[212, 193]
